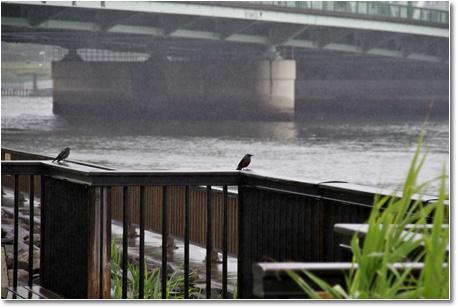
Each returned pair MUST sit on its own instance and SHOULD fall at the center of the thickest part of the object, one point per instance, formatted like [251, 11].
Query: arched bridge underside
[380, 29]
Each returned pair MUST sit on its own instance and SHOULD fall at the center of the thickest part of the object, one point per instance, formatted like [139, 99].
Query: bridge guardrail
[373, 8]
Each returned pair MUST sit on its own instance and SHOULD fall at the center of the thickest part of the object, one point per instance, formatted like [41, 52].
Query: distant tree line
[13, 52]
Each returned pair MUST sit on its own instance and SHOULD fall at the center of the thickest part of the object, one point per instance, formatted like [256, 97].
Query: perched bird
[246, 160]
[62, 155]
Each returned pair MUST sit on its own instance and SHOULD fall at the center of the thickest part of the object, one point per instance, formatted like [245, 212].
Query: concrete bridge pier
[176, 88]
[275, 86]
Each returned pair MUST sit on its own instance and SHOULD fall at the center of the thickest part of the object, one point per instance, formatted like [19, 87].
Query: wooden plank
[362, 230]
[7, 294]
[43, 293]
[308, 212]
[270, 280]
[35, 293]
[11, 293]
[241, 260]
[276, 252]
[317, 230]
[5, 279]
[300, 234]
[24, 292]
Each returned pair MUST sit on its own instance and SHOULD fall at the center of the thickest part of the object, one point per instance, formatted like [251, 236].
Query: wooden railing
[153, 207]
[275, 219]
[271, 280]
[76, 215]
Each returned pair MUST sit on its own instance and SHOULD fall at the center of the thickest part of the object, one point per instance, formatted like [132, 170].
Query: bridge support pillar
[176, 88]
[275, 86]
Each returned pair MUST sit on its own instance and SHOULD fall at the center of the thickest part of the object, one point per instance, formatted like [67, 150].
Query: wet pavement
[153, 256]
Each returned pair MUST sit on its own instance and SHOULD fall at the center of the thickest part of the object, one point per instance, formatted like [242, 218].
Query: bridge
[176, 36]
[379, 28]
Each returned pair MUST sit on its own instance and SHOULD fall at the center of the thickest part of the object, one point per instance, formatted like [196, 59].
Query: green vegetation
[22, 71]
[387, 243]
[152, 290]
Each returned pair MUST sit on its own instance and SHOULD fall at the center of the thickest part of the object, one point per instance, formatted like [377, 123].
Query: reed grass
[152, 280]
[386, 243]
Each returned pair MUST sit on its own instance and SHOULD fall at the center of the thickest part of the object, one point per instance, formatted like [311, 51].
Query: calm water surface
[374, 153]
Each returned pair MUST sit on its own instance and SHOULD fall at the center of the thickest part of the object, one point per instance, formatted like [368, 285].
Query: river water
[368, 152]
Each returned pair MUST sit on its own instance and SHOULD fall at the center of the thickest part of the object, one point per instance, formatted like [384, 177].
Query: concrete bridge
[212, 54]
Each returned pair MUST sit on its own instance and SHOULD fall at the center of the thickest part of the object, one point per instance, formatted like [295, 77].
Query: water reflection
[375, 152]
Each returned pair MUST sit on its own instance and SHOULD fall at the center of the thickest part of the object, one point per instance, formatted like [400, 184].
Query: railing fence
[269, 220]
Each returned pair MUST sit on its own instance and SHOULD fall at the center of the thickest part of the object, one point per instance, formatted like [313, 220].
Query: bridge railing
[16, 92]
[277, 220]
[372, 8]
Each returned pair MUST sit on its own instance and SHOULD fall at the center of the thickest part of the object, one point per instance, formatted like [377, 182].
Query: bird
[246, 160]
[62, 155]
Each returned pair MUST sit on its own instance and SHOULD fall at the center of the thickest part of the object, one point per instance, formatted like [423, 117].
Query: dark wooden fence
[76, 210]
[198, 218]
[272, 281]
[285, 221]
[153, 207]
[276, 219]
[8, 180]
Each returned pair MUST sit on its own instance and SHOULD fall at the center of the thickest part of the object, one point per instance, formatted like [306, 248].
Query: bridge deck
[367, 28]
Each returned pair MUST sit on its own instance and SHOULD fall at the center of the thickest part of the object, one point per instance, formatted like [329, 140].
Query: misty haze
[318, 92]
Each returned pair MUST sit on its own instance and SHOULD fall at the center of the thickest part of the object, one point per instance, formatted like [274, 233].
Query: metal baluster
[108, 227]
[164, 242]
[186, 243]
[225, 241]
[101, 245]
[16, 231]
[125, 234]
[141, 279]
[31, 227]
[240, 248]
[209, 244]
[42, 223]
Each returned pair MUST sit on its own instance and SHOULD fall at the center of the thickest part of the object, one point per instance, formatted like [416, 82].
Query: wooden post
[71, 230]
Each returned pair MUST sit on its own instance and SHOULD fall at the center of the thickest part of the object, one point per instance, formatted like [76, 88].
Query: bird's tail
[239, 168]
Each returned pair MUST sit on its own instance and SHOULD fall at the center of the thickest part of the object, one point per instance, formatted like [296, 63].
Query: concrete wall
[191, 89]
[252, 89]
[370, 87]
